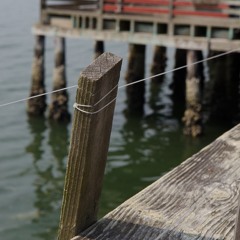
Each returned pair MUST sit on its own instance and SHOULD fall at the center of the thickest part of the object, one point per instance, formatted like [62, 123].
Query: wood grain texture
[237, 226]
[196, 200]
[89, 146]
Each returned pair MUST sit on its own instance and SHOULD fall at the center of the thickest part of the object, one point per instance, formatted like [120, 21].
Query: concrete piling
[58, 109]
[37, 106]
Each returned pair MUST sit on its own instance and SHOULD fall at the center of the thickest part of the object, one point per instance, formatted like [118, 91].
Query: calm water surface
[33, 152]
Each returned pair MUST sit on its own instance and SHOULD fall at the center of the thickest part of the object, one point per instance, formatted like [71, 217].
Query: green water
[33, 151]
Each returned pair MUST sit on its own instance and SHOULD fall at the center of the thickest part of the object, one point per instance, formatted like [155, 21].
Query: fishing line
[77, 106]
[36, 96]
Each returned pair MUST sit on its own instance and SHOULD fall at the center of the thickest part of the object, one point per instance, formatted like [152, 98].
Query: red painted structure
[176, 8]
[187, 24]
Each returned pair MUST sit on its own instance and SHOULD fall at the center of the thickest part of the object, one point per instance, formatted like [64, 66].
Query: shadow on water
[148, 147]
[49, 173]
[142, 153]
[37, 127]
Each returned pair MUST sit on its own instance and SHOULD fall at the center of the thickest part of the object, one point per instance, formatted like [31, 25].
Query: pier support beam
[58, 109]
[98, 49]
[193, 116]
[135, 71]
[224, 76]
[159, 63]
[232, 86]
[37, 106]
[179, 76]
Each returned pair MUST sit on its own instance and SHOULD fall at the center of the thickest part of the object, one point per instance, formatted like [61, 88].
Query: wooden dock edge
[196, 200]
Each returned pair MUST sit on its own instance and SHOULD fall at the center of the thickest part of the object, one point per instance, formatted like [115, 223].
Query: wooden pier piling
[58, 109]
[98, 48]
[136, 71]
[193, 114]
[89, 145]
[37, 106]
[218, 105]
[232, 83]
[224, 76]
[179, 76]
[159, 63]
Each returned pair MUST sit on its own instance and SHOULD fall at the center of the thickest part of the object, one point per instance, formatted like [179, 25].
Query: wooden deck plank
[196, 200]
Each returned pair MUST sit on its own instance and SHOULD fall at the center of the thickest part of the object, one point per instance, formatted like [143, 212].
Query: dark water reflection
[149, 147]
[49, 173]
[33, 151]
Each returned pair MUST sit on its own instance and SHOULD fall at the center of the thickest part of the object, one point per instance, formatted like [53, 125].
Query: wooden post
[98, 49]
[136, 70]
[58, 109]
[159, 63]
[37, 106]
[89, 146]
[237, 225]
[193, 113]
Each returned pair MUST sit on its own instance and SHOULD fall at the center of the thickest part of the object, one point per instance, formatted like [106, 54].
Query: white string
[36, 96]
[126, 85]
[176, 69]
[77, 106]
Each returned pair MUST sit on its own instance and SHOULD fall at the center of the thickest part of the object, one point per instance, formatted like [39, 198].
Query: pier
[196, 200]
[189, 26]
[196, 24]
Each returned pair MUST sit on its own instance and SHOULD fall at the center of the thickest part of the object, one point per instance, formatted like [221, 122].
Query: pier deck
[196, 200]
[172, 23]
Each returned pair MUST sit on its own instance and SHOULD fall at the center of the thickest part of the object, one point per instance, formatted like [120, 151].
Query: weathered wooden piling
[37, 106]
[89, 145]
[159, 63]
[232, 86]
[58, 109]
[224, 76]
[217, 69]
[179, 85]
[135, 71]
[193, 114]
[98, 48]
